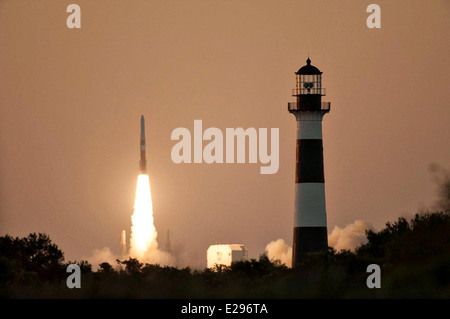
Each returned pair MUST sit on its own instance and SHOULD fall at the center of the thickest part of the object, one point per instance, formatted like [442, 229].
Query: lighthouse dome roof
[308, 69]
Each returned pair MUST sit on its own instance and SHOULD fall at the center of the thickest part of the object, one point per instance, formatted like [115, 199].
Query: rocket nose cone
[142, 128]
[142, 121]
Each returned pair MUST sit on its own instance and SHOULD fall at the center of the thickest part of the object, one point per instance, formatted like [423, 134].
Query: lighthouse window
[309, 84]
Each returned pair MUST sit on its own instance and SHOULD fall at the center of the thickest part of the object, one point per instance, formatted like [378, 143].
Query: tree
[132, 265]
[30, 257]
[106, 268]
[85, 266]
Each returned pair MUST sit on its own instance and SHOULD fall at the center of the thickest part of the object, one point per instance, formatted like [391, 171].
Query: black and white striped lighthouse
[310, 219]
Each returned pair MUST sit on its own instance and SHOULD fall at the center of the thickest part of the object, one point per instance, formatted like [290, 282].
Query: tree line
[414, 256]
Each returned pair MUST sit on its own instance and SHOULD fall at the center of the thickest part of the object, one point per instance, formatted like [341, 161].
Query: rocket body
[143, 160]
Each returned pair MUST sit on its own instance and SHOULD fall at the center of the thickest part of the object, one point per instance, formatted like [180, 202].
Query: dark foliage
[414, 256]
[31, 259]
[424, 238]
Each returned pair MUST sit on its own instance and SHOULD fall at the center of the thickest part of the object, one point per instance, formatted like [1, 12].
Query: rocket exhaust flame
[143, 232]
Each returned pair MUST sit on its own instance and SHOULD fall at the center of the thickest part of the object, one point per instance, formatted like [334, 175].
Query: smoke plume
[441, 177]
[280, 250]
[99, 256]
[349, 237]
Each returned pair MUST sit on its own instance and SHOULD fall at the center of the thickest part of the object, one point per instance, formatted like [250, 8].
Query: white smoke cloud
[349, 237]
[280, 250]
[156, 256]
[99, 256]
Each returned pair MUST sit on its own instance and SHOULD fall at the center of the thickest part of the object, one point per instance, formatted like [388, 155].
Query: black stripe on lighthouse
[308, 240]
[309, 168]
[310, 230]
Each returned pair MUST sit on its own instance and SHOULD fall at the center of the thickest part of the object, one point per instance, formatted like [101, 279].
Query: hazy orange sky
[70, 102]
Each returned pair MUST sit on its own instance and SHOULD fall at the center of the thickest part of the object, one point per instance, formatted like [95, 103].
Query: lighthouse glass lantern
[308, 90]
[309, 84]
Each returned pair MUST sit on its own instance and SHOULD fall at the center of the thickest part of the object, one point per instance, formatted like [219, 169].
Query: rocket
[143, 160]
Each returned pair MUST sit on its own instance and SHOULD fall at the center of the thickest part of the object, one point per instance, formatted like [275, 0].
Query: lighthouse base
[308, 240]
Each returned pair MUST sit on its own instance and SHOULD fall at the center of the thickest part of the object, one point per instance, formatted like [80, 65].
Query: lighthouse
[310, 219]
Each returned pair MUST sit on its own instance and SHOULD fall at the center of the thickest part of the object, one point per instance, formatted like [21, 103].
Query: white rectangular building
[225, 254]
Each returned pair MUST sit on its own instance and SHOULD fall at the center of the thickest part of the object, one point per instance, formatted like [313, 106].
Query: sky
[71, 100]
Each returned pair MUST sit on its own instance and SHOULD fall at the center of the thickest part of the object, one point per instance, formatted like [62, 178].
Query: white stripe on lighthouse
[309, 125]
[310, 205]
